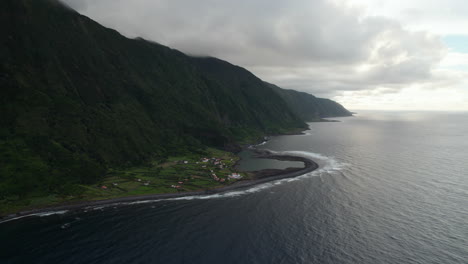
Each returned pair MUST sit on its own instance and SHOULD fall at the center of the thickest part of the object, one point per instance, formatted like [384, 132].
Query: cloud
[324, 47]
[441, 17]
[455, 61]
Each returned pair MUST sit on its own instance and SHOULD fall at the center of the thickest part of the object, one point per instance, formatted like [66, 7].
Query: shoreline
[261, 176]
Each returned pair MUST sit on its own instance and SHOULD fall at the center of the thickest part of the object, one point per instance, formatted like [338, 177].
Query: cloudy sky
[366, 54]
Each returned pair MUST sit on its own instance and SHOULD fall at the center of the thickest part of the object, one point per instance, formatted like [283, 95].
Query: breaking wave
[327, 163]
[259, 144]
[42, 214]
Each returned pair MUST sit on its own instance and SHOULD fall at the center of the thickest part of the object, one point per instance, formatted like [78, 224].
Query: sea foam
[42, 214]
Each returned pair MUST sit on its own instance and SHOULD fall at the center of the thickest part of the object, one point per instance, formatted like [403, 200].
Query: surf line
[260, 177]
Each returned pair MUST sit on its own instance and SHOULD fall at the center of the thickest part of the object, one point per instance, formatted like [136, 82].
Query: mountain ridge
[78, 98]
[308, 107]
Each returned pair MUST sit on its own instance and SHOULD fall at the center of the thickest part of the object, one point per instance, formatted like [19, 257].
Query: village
[214, 165]
[189, 173]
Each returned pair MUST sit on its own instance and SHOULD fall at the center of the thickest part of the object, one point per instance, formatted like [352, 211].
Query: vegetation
[80, 102]
[176, 174]
[309, 107]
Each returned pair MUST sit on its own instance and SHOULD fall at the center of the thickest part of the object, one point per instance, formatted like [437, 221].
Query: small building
[235, 176]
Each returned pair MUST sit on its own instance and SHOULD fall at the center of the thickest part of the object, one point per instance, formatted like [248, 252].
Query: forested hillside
[309, 107]
[77, 99]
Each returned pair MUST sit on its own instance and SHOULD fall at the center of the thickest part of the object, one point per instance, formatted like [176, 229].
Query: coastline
[260, 177]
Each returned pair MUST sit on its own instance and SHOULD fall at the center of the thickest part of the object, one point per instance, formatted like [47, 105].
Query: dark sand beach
[260, 176]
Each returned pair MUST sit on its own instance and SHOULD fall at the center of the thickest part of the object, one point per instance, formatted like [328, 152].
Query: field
[176, 174]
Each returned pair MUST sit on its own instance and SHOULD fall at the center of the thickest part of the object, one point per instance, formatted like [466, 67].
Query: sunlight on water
[391, 188]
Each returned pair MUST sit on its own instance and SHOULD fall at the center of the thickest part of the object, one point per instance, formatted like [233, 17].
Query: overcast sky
[366, 54]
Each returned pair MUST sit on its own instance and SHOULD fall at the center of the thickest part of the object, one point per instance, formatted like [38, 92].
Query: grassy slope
[154, 178]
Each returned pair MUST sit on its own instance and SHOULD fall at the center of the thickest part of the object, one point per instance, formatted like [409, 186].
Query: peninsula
[231, 182]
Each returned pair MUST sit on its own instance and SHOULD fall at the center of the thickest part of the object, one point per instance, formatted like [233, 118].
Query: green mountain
[77, 99]
[309, 107]
[267, 106]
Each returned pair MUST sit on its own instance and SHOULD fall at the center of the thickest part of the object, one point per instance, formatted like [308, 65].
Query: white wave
[141, 202]
[51, 213]
[328, 163]
[98, 207]
[260, 144]
[305, 154]
[43, 214]
[252, 189]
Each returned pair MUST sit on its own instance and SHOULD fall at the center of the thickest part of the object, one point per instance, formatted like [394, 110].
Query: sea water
[392, 187]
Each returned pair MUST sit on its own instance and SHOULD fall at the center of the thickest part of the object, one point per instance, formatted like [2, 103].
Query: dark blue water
[392, 188]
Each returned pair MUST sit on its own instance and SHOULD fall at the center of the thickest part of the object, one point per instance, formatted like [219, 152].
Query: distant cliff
[309, 107]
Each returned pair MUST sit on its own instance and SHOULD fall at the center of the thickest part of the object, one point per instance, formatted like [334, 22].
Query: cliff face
[309, 107]
[77, 98]
[259, 104]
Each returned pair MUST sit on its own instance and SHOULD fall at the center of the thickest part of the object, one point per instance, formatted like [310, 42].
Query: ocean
[392, 187]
